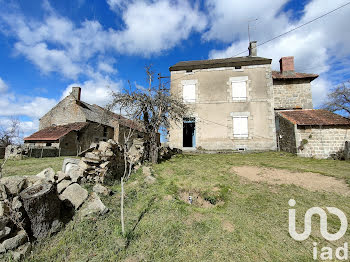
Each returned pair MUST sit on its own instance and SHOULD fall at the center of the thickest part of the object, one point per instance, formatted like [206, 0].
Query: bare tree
[338, 99]
[152, 108]
[10, 135]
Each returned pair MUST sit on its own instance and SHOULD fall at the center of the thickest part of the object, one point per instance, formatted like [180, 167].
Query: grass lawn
[32, 166]
[250, 224]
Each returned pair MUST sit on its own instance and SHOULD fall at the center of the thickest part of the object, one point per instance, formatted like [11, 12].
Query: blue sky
[48, 46]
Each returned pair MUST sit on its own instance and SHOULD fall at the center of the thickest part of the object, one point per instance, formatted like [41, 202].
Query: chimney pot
[76, 92]
[252, 49]
[287, 64]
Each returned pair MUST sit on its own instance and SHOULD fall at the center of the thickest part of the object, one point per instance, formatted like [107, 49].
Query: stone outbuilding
[311, 132]
[72, 125]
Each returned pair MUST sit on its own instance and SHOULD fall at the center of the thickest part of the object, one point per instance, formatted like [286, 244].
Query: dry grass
[252, 225]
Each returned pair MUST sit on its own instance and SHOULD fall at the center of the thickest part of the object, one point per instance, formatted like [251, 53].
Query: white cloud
[3, 86]
[154, 26]
[314, 46]
[96, 91]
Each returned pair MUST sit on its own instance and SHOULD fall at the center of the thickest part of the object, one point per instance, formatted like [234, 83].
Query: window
[239, 88]
[105, 131]
[240, 126]
[189, 93]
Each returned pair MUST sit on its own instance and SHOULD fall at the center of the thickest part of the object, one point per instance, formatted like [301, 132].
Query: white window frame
[244, 133]
[240, 79]
[192, 98]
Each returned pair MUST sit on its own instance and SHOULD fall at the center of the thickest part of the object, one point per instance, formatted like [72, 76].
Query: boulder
[34, 180]
[14, 184]
[42, 206]
[3, 222]
[94, 205]
[85, 166]
[22, 252]
[61, 176]
[69, 163]
[75, 194]
[4, 209]
[75, 174]
[16, 203]
[47, 174]
[63, 185]
[94, 155]
[5, 232]
[16, 241]
[100, 189]
[104, 146]
[3, 194]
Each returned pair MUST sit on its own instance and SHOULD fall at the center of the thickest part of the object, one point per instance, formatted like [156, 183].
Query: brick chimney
[252, 49]
[287, 65]
[76, 91]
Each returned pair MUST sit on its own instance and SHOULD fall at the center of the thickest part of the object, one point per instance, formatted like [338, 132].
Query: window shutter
[189, 93]
[239, 90]
[240, 126]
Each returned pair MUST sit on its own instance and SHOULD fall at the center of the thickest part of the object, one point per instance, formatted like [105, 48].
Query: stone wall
[289, 94]
[65, 112]
[94, 133]
[214, 108]
[321, 142]
[285, 135]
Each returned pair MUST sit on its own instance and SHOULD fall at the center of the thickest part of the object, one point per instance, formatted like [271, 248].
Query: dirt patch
[310, 181]
[227, 226]
[197, 199]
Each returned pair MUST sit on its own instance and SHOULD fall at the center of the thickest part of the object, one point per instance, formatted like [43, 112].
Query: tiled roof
[216, 63]
[54, 133]
[98, 114]
[292, 75]
[314, 117]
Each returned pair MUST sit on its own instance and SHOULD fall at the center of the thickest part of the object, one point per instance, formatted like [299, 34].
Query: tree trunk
[153, 148]
[42, 206]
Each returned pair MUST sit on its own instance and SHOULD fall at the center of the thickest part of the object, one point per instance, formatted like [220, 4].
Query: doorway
[189, 132]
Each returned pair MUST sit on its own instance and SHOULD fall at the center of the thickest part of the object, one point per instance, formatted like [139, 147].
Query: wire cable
[295, 28]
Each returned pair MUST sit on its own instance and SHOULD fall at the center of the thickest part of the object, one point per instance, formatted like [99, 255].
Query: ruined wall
[94, 133]
[285, 135]
[289, 94]
[69, 144]
[214, 108]
[125, 130]
[65, 112]
[321, 141]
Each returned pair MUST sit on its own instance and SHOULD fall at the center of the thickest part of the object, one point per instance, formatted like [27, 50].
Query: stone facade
[291, 94]
[321, 142]
[214, 108]
[67, 111]
[285, 135]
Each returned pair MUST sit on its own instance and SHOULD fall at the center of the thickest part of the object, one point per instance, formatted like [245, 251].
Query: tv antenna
[256, 19]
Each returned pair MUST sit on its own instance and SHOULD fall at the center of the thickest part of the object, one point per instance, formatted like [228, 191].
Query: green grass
[32, 166]
[251, 225]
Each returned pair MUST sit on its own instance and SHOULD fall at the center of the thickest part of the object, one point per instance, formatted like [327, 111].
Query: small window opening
[238, 67]
[48, 144]
[188, 70]
[105, 131]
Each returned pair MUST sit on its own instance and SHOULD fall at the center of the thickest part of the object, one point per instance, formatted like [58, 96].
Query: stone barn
[312, 133]
[70, 139]
[72, 125]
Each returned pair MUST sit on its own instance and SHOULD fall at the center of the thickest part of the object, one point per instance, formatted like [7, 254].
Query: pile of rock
[104, 162]
[34, 207]
[16, 151]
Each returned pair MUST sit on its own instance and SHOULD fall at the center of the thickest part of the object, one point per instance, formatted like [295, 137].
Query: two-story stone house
[231, 102]
[239, 103]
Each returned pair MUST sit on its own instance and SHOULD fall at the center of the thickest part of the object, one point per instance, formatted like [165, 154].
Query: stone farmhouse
[240, 104]
[72, 125]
